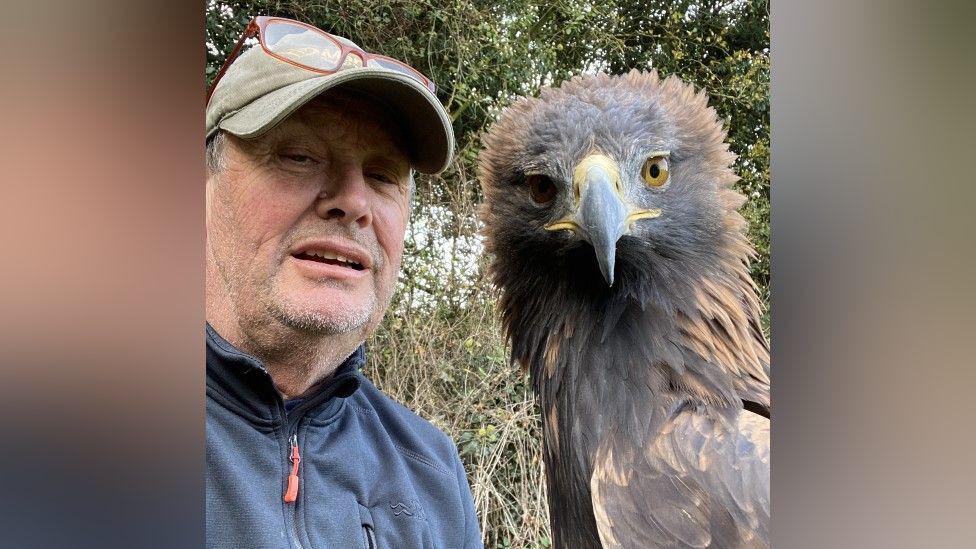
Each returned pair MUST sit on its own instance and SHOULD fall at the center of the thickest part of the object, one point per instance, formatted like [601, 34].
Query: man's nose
[345, 198]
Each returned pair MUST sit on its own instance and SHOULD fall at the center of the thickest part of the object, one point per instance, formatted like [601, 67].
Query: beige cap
[258, 91]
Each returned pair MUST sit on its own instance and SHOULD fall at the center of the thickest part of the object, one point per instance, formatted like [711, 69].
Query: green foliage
[440, 350]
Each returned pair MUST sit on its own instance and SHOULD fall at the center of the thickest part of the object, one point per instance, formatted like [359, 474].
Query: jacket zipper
[370, 537]
[291, 493]
[294, 456]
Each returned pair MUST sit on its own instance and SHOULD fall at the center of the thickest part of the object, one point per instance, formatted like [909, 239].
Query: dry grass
[441, 353]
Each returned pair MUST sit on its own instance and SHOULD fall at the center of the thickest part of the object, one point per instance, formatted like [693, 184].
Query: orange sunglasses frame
[259, 23]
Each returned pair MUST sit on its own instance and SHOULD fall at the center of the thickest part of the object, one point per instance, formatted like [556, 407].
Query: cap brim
[428, 129]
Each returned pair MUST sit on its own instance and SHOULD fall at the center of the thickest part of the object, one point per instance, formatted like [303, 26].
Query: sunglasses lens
[302, 45]
[391, 65]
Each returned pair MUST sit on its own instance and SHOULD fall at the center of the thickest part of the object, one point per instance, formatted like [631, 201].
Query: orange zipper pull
[291, 494]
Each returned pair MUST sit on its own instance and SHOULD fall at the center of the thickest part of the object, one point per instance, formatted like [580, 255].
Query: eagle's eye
[542, 188]
[655, 171]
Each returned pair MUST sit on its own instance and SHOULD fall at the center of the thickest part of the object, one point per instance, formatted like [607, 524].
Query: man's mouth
[329, 258]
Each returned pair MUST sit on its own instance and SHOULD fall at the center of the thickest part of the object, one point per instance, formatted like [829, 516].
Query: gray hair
[215, 153]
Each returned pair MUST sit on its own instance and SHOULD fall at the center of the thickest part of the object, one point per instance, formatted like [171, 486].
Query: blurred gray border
[872, 274]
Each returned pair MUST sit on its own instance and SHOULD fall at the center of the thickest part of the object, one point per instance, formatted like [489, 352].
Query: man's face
[306, 224]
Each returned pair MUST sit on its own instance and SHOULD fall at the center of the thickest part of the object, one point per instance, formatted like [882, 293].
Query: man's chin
[334, 315]
[325, 322]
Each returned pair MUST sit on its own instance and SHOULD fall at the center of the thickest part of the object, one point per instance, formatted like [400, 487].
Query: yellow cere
[595, 161]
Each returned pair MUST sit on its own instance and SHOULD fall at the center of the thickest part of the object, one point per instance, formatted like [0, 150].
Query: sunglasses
[309, 48]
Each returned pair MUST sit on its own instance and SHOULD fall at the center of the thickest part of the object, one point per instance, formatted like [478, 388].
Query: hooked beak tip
[607, 260]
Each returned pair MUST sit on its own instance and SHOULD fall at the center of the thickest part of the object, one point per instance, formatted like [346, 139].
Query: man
[311, 149]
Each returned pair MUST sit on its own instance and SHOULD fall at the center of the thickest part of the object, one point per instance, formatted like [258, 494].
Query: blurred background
[440, 349]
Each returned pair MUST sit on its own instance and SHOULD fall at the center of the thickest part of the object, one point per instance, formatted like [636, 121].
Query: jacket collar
[240, 381]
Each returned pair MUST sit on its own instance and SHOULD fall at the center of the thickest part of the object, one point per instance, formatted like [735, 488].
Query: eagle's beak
[601, 214]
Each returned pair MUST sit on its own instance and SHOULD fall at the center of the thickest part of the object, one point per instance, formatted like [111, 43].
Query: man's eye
[298, 158]
[382, 177]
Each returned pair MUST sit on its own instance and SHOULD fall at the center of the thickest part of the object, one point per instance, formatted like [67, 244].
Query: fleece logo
[401, 508]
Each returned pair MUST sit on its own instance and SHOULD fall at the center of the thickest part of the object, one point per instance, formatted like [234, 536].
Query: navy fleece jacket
[368, 473]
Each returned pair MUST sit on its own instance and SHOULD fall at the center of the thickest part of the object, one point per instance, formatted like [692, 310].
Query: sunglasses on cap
[313, 49]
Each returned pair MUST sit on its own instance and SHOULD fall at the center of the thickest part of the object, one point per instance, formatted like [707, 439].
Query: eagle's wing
[702, 482]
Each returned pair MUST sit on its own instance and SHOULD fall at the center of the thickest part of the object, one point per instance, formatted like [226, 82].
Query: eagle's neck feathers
[629, 360]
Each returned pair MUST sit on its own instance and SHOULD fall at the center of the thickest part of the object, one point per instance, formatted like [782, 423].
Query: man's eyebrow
[300, 136]
[302, 130]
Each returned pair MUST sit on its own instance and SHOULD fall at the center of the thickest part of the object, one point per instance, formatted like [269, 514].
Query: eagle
[622, 266]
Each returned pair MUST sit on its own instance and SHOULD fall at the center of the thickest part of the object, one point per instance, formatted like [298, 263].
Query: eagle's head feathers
[632, 169]
[614, 192]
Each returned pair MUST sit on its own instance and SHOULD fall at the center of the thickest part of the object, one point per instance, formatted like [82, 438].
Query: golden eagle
[623, 269]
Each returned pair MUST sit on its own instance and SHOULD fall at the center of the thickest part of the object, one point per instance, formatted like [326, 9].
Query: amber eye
[655, 171]
[542, 188]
